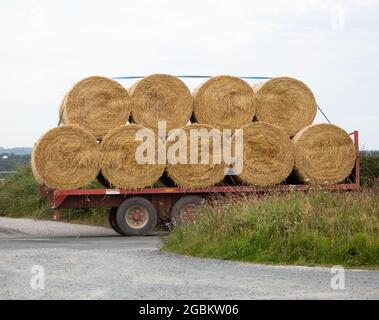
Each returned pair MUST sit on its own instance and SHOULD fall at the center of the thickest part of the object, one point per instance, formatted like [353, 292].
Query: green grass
[18, 195]
[19, 199]
[317, 228]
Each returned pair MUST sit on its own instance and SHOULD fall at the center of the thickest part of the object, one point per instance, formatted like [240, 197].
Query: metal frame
[163, 198]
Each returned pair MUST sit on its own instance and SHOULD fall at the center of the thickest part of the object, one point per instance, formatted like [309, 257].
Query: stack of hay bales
[100, 120]
[96, 135]
[323, 153]
[68, 157]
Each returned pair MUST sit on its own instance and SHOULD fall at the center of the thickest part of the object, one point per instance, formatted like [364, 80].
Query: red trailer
[136, 211]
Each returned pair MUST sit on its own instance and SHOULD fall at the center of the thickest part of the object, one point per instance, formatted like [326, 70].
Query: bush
[18, 198]
[320, 227]
[18, 195]
[369, 169]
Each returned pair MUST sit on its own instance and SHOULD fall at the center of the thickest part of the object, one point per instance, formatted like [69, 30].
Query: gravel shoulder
[10, 227]
[95, 263]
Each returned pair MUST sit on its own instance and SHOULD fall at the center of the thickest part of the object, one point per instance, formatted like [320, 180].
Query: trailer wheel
[184, 209]
[113, 222]
[136, 216]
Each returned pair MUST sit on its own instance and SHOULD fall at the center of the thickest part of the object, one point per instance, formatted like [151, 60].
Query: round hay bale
[66, 157]
[161, 97]
[96, 104]
[287, 103]
[268, 155]
[224, 102]
[118, 160]
[324, 154]
[196, 175]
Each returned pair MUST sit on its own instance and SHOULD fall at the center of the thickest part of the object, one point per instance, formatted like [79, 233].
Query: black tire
[113, 222]
[178, 211]
[136, 217]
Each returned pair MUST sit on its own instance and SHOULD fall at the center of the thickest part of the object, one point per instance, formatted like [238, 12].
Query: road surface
[94, 263]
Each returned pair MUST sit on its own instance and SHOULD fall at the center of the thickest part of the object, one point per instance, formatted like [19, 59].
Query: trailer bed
[90, 198]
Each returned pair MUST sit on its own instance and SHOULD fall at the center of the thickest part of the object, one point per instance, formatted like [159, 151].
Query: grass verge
[316, 228]
[19, 199]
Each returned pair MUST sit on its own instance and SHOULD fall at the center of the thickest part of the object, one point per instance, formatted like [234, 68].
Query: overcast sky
[46, 46]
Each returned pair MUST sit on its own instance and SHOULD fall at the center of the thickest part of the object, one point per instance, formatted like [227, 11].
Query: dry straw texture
[287, 103]
[195, 175]
[67, 157]
[324, 154]
[224, 102]
[96, 104]
[161, 97]
[268, 154]
[118, 160]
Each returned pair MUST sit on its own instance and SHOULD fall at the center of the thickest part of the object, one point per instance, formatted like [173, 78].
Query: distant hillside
[19, 151]
[11, 162]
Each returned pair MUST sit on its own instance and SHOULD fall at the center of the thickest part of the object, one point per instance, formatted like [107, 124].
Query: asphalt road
[87, 266]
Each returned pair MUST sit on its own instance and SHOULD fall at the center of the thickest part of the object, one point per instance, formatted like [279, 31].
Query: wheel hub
[136, 217]
[187, 213]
